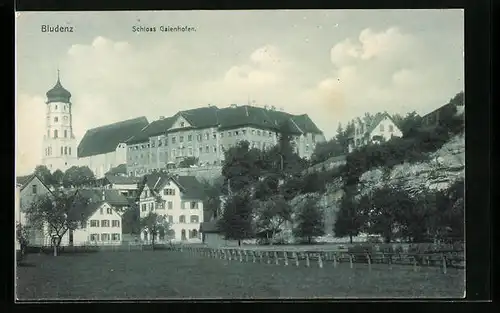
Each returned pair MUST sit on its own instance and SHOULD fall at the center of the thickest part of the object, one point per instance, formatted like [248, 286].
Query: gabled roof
[105, 139]
[190, 187]
[111, 196]
[377, 119]
[122, 180]
[26, 180]
[155, 128]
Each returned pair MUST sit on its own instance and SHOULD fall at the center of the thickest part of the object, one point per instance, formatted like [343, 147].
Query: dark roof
[120, 169]
[106, 138]
[209, 227]
[122, 180]
[58, 93]
[113, 197]
[155, 128]
[230, 117]
[25, 180]
[190, 187]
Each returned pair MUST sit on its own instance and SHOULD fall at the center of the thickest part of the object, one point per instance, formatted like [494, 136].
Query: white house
[30, 188]
[381, 128]
[179, 199]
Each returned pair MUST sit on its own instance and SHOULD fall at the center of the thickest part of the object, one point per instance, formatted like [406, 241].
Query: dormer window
[182, 124]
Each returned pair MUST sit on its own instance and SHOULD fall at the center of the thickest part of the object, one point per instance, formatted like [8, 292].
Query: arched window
[61, 150]
[55, 133]
[65, 133]
[65, 150]
[182, 219]
[194, 233]
[183, 234]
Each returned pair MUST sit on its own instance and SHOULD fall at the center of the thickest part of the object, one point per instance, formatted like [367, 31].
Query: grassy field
[172, 274]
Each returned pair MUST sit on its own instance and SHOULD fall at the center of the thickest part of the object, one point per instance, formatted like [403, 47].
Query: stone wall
[202, 173]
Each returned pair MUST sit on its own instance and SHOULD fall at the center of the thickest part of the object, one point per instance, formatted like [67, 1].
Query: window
[143, 208]
[182, 124]
[69, 150]
[104, 237]
[194, 219]
[34, 189]
[55, 133]
[206, 136]
[215, 149]
[94, 237]
[236, 133]
[170, 205]
[221, 135]
[183, 234]
[270, 134]
[194, 205]
[307, 148]
[56, 119]
[253, 131]
[105, 223]
[190, 151]
[160, 143]
[56, 106]
[169, 192]
[214, 135]
[65, 150]
[207, 149]
[170, 219]
[94, 223]
[62, 150]
[174, 153]
[194, 233]
[173, 140]
[229, 134]
[181, 138]
[391, 128]
[258, 133]
[199, 137]
[109, 211]
[381, 127]
[65, 134]
[116, 223]
[151, 206]
[182, 219]
[166, 142]
[190, 137]
[201, 150]
[115, 237]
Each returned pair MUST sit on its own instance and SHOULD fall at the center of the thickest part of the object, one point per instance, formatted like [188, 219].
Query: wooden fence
[334, 258]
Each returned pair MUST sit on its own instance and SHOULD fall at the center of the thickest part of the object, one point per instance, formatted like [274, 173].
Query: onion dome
[58, 93]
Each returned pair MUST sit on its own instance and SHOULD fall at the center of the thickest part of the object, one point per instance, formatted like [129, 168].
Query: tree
[272, 214]
[309, 221]
[22, 239]
[58, 213]
[155, 225]
[325, 150]
[44, 174]
[454, 214]
[212, 201]
[237, 219]
[188, 162]
[131, 223]
[57, 178]
[240, 168]
[349, 218]
[267, 187]
[76, 176]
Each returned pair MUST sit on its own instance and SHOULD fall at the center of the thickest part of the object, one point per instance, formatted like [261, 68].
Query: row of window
[104, 223]
[108, 211]
[193, 205]
[64, 151]
[359, 131]
[56, 133]
[182, 219]
[104, 237]
[56, 119]
[65, 107]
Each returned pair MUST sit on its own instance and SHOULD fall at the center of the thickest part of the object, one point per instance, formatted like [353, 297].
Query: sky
[333, 65]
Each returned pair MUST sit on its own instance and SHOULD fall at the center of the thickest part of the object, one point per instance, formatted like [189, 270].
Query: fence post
[285, 255]
[308, 263]
[444, 263]
[334, 260]
[369, 262]
[276, 258]
[296, 256]
[320, 262]
[350, 260]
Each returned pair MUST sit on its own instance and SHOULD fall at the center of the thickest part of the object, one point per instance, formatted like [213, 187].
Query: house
[375, 130]
[179, 199]
[102, 224]
[29, 189]
[128, 186]
[205, 132]
[213, 238]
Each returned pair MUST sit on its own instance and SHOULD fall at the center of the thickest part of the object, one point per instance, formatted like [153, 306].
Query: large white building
[59, 141]
[179, 199]
[103, 148]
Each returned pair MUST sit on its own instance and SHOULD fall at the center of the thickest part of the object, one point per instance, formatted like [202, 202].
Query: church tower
[59, 142]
